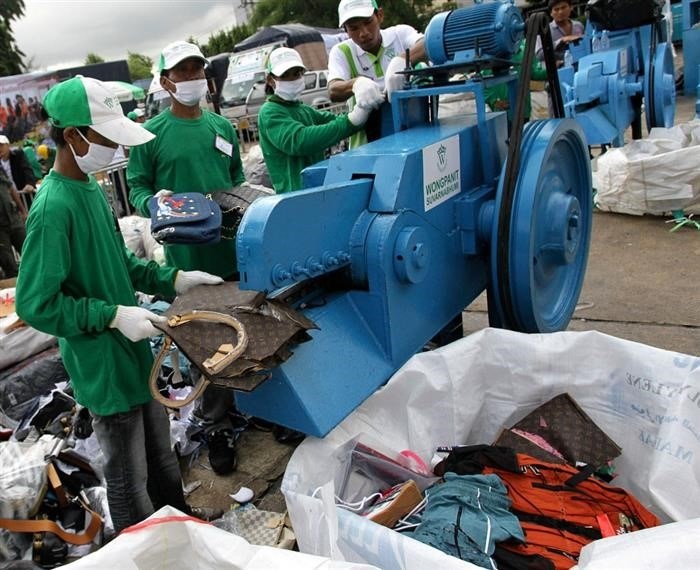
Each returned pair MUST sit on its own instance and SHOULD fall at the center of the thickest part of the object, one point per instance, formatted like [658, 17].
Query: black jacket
[21, 170]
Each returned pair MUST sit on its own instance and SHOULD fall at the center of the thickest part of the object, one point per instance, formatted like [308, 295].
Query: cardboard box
[7, 304]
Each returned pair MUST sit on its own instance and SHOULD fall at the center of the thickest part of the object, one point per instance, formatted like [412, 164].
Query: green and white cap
[283, 59]
[349, 9]
[87, 102]
[176, 52]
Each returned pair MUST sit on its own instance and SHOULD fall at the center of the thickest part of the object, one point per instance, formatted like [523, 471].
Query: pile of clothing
[531, 500]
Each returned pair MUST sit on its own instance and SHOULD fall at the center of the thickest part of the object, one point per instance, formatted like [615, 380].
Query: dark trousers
[10, 236]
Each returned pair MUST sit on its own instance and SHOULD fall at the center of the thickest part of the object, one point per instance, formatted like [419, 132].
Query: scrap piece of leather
[272, 329]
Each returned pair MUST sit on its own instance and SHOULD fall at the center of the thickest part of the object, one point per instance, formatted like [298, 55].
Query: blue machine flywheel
[660, 88]
[549, 229]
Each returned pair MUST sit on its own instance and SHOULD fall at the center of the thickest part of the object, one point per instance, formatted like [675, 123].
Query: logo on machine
[442, 157]
[441, 172]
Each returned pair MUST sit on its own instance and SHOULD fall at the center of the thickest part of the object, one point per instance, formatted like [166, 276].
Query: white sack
[651, 176]
[184, 543]
[22, 343]
[644, 398]
[670, 546]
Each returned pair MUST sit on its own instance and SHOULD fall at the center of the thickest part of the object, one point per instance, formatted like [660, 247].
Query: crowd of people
[19, 117]
[77, 280]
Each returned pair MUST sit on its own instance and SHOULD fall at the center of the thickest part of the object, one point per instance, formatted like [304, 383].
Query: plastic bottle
[595, 43]
[568, 59]
[604, 41]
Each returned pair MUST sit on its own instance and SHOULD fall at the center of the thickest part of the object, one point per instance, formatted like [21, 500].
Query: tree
[225, 40]
[140, 65]
[10, 55]
[93, 58]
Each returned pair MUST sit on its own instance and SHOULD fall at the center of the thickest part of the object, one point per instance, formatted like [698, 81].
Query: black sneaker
[222, 451]
[287, 435]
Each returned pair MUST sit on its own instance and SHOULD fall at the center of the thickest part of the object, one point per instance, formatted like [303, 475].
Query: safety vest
[360, 137]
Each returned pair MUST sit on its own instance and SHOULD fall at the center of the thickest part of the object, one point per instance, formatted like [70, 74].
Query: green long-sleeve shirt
[498, 95]
[294, 135]
[183, 158]
[33, 161]
[75, 270]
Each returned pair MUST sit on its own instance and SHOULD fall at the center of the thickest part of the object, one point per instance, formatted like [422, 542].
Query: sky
[60, 33]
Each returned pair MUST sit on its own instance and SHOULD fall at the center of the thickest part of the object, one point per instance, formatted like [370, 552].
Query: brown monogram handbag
[233, 204]
[233, 337]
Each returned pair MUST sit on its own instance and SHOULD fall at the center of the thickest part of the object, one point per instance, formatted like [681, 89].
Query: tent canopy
[292, 34]
[125, 91]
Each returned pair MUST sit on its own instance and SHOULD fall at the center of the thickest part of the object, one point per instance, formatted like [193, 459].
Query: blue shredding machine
[390, 242]
[605, 90]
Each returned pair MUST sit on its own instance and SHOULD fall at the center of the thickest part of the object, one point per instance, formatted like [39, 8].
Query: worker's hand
[393, 80]
[358, 116]
[571, 39]
[136, 323]
[163, 192]
[185, 280]
[367, 93]
[28, 189]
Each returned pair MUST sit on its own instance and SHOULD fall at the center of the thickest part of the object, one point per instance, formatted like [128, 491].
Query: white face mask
[189, 93]
[96, 158]
[289, 90]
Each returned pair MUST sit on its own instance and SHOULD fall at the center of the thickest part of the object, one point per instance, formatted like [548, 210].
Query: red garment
[560, 518]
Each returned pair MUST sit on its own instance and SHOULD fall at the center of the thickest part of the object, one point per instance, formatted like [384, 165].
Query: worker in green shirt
[294, 135]
[32, 160]
[497, 96]
[78, 280]
[194, 150]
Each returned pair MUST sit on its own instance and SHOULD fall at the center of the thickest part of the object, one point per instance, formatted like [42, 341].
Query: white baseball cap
[87, 102]
[349, 9]
[283, 59]
[4, 140]
[175, 52]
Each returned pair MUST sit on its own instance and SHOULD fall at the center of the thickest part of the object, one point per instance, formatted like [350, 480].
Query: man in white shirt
[364, 66]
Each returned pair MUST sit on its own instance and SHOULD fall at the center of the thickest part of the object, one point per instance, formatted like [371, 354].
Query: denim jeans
[141, 470]
[212, 407]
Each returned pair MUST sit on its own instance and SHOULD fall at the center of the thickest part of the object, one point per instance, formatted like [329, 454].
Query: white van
[245, 70]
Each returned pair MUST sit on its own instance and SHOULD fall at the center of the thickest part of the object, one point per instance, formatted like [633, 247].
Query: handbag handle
[222, 358]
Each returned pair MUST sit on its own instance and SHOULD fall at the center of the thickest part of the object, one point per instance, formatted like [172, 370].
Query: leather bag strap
[225, 355]
[47, 525]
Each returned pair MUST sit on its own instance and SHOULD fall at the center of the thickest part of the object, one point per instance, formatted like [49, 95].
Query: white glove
[367, 93]
[185, 280]
[358, 116]
[394, 81]
[136, 323]
[163, 192]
